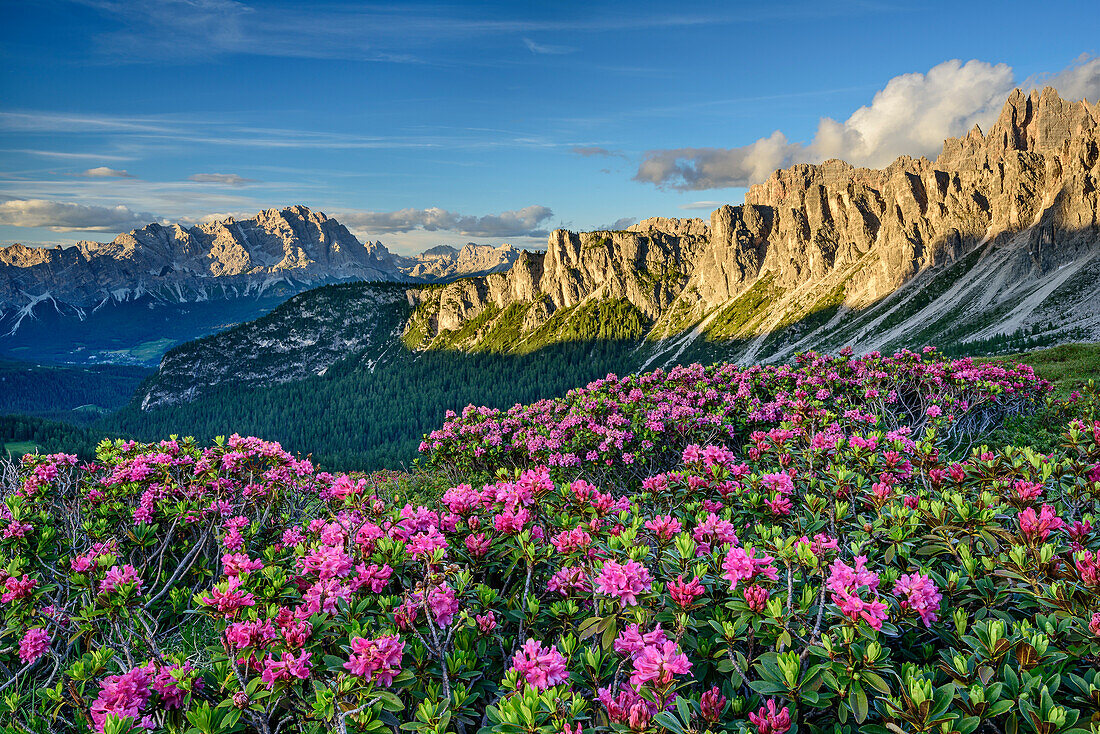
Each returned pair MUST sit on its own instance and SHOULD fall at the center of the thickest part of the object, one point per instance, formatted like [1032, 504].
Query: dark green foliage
[21, 434]
[78, 394]
[357, 418]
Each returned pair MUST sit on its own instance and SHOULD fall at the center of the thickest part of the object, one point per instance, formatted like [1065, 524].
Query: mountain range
[994, 245]
[195, 280]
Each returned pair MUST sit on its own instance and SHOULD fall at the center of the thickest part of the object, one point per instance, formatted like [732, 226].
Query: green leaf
[857, 701]
[670, 722]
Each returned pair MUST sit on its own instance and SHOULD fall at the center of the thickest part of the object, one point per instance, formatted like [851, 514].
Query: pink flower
[632, 641]
[229, 599]
[172, 689]
[768, 720]
[486, 622]
[422, 544]
[238, 563]
[1038, 527]
[1027, 491]
[327, 561]
[740, 565]
[541, 667]
[443, 604]
[17, 588]
[664, 527]
[569, 579]
[712, 703]
[570, 541]
[119, 575]
[478, 544]
[373, 577]
[1088, 567]
[658, 663]
[756, 596]
[123, 695]
[287, 667]
[378, 659]
[242, 635]
[624, 581]
[845, 583]
[33, 645]
[918, 592]
[684, 593]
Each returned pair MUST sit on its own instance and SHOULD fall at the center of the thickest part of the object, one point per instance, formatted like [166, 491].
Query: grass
[1068, 366]
[18, 448]
[744, 309]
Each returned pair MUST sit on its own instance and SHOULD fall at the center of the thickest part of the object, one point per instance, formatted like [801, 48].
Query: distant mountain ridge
[267, 257]
[996, 244]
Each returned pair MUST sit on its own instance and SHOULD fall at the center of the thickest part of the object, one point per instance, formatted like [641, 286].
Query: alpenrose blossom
[624, 581]
[119, 575]
[740, 565]
[846, 584]
[1037, 528]
[770, 719]
[684, 593]
[123, 695]
[286, 668]
[325, 580]
[540, 667]
[33, 645]
[378, 659]
[712, 703]
[658, 663]
[918, 592]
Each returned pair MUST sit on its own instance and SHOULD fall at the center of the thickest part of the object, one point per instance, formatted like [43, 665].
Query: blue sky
[421, 124]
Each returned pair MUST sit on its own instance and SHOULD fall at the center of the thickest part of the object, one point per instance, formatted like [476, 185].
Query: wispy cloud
[225, 179]
[60, 216]
[400, 33]
[526, 222]
[545, 49]
[104, 172]
[588, 151]
[912, 114]
[618, 224]
[60, 154]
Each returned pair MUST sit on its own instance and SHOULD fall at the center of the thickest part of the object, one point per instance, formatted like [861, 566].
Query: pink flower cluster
[540, 667]
[624, 581]
[918, 592]
[378, 659]
[846, 583]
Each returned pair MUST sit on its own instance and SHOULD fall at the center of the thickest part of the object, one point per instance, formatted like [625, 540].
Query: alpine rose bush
[820, 554]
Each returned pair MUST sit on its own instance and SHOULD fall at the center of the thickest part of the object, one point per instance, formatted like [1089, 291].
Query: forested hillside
[79, 394]
[361, 415]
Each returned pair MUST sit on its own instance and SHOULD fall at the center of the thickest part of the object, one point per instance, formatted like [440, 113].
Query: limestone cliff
[819, 255]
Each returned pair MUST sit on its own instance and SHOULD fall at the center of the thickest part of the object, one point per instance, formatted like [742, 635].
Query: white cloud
[528, 222]
[104, 172]
[588, 151]
[547, 49]
[1080, 80]
[62, 216]
[620, 224]
[226, 179]
[912, 115]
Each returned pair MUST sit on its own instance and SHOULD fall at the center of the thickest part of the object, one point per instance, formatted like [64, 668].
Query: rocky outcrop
[833, 239]
[446, 263]
[646, 266]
